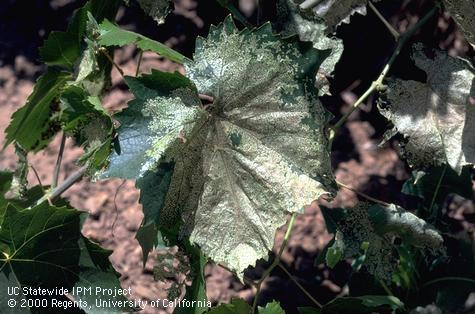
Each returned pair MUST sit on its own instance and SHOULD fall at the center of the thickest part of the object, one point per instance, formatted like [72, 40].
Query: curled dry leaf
[313, 29]
[334, 12]
[437, 117]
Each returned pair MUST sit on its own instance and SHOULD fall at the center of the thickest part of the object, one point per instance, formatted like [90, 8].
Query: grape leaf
[94, 67]
[229, 5]
[43, 247]
[437, 117]
[334, 12]
[64, 48]
[6, 179]
[197, 290]
[11, 282]
[271, 308]
[31, 125]
[243, 162]
[463, 12]
[237, 306]
[426, 185]
[413, 230]
[377, 225]
[34, 124]
[366, 304]
[112, 35]
[61, 48]
[310, 28]
[84, 117]
[157, 9]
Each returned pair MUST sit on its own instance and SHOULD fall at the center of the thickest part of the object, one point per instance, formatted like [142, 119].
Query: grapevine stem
[318, 304]
[275, 263]
[437, 188]
[139, 62]
[386, 288]
[362, 194]
[378, 84]
[57, 167]
[391, 29]
[66, 184]
[108, 56]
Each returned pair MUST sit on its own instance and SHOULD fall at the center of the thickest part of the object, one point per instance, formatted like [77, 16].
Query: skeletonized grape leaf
[369, 230]
[93, 68]
[437, 117]
[84, 117]
[463, 12]
[157, 9]
[240, 164]
[311, 29]
[112, 35]
[334, 12]
[42, 246]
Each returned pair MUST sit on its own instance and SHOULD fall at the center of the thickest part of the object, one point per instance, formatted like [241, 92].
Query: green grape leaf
[157, 9]
[6, 179]
[237, 306]
[43, 247]
[370, 229]
[332, 12]
[321, 257]
[310, 28]
[437, 183]
[463, 12]
[438, 117]
[64, 48]
[113, 35]
[332, 216]
[33, 125]
[229, 5]
[84, 117]
[9, 281]
[333, 256]
[61, 49]
[309, 310]
[271, 308]
[197, 290]
[366, 304]
[241, 163]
